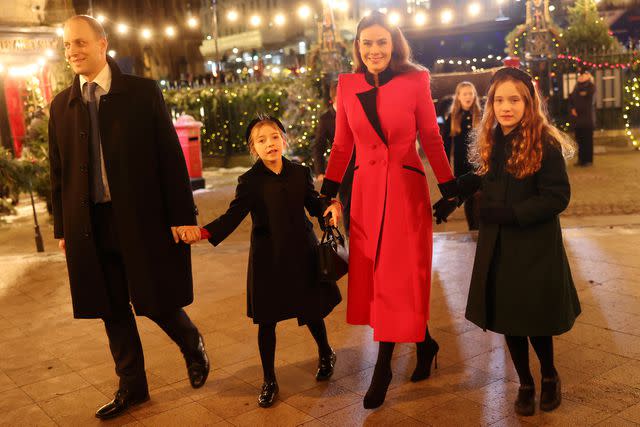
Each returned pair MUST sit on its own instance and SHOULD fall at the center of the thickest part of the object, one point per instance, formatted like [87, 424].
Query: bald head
[93, 23]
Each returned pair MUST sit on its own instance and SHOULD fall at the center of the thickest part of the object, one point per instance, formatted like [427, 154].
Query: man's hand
[188, 233]
[574, 113]
[320, 177]
[62, 246]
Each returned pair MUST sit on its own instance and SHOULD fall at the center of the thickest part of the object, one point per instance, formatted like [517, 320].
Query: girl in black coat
[282, 278]
[521, 284]
[465, 114]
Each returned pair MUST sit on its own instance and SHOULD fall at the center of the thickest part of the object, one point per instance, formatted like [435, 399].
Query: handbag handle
[328, 235]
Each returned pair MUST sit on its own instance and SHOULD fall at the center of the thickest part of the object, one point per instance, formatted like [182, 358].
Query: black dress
[282, 280]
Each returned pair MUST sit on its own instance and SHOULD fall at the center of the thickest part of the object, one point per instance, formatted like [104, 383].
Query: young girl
[281, 279]
[465, 113]
[521, 284]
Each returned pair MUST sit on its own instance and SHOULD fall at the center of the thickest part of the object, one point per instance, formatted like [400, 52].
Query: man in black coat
[120, 189]
[583, 115]
[325, 132]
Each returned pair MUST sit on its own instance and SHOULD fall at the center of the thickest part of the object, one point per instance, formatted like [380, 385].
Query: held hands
[335, 212]
[443, 208]
[187, 233]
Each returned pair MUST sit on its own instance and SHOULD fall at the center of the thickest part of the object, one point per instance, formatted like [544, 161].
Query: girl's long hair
[534, 131]
[401, 60]
[456, 109]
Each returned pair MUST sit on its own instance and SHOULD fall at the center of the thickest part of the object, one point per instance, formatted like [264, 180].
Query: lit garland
[632, 89]
[622, 65]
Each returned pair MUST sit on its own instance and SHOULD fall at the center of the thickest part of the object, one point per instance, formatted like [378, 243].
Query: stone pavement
[55, 370]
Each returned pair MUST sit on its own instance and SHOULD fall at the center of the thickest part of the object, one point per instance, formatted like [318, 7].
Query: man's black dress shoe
[123, 400]
[268, 394]
[325, 366]
[198, 365]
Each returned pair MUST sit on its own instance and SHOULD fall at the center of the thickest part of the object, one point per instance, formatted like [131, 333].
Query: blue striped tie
[98, 192]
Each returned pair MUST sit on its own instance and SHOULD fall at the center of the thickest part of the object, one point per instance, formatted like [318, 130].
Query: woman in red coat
[381, 108]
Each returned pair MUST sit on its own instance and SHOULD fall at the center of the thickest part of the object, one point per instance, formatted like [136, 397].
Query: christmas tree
[587, 31]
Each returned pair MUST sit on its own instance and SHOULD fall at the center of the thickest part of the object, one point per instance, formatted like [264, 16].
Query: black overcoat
[521, 282]
[582, 100]
[282, 280]
[150, 192]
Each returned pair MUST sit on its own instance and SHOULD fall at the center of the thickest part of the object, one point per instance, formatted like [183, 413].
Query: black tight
[267, 345]
[519, 349]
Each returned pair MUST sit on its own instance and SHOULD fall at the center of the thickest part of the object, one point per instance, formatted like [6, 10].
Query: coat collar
[261, 167]
[117, 82]
[383, 78]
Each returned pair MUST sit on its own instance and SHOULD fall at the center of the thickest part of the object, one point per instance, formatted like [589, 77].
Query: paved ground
[56, 370]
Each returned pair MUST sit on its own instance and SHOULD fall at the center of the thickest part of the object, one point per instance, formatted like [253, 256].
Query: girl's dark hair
[401, 60]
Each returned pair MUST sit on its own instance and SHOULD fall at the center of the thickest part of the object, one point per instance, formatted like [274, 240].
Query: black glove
[443, 208]
[498, 215]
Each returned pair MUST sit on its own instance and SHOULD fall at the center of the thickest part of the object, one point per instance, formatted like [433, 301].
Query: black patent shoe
[268, 394]
[198, 365]
[526, 403]
[325, 366]
[550, 393]
[123, 400]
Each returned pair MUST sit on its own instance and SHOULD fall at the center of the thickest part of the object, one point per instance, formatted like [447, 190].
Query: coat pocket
[411, 168]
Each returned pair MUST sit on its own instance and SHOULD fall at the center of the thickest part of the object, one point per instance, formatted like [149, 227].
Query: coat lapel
[368, 100]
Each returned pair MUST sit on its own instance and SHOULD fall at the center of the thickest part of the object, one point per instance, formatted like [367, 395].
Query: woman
[465, 114]
[380, 107]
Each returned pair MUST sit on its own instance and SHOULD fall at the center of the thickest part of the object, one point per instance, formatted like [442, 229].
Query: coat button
[384, 163]
[84, 168]
[83, 135]
[374, 146]
[372, 162]
[86, 234]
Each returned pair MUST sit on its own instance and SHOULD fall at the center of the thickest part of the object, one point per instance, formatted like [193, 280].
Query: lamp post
[214, 25]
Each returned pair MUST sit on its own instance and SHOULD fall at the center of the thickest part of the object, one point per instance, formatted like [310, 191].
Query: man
[583, 115]
[120, 188]
[325, 132]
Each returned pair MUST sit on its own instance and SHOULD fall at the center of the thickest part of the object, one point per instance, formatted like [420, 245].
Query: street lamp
[192, 22]
[304, 11]
[101, 18]
[394, 18]
[170, 31]
[112, 53]
[446, 16]
[146, 33]
[255, 20]
[420, 18]
[232, 15]
[122, 29]
[279, 19]
[474, 9]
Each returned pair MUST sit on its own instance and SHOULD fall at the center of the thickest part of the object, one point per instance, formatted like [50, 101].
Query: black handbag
[333, 256]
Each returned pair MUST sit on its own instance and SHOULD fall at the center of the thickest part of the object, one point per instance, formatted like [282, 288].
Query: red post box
[188, 130]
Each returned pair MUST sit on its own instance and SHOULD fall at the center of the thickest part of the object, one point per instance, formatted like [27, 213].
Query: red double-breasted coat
[391, 227]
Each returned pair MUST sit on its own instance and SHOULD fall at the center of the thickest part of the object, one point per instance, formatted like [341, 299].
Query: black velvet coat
[521, 282]
[282, 272]
[150, 192]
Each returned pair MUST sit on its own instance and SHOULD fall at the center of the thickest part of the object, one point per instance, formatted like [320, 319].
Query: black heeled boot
[525, 404]
[426, 353]
[550, 393]
[381, 377]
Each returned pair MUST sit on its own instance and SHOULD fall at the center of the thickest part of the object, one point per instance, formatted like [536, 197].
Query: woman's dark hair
[401, 60]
